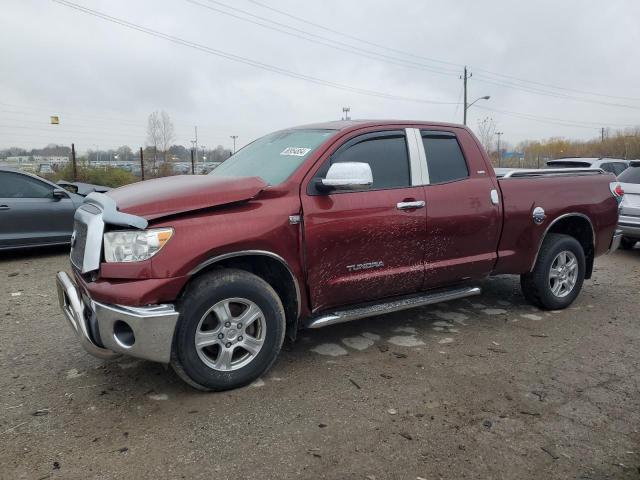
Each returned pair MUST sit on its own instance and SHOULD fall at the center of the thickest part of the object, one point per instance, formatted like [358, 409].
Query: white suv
[612, 165]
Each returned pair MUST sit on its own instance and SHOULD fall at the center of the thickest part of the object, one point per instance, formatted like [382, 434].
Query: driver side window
[15, 185]
[386, 153]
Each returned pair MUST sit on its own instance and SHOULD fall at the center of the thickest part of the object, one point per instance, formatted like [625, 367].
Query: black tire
[207, 291]
[627, 243]
[536, 284]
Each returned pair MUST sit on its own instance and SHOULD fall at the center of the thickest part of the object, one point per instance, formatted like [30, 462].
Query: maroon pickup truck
[317, 225]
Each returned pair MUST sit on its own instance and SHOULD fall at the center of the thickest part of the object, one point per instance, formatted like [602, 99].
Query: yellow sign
[55, 120]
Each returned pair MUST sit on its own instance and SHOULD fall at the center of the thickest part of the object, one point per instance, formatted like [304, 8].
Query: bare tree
[486, 133]
[160, 133]
[167, 133]
[154, 136]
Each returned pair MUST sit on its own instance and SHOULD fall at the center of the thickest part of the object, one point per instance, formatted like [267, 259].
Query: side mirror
[347, 176]
[59, 194]
[70, 188]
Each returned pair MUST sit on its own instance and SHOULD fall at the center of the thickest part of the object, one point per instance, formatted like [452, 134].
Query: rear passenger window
[444, 157]
[386, 154]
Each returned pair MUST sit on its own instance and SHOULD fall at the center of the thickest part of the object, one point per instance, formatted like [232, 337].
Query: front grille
[78, 246]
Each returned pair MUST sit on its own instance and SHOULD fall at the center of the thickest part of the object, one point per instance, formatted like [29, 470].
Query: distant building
[51, 159]
[516, 155]
[18, 160]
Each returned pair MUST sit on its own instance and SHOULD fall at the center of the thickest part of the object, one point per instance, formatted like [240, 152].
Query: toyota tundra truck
[316, 225]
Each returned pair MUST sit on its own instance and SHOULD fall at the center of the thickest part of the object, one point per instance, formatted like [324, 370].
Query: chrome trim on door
[410, 205]
[245, 253]
[423, 157]
[419, 176]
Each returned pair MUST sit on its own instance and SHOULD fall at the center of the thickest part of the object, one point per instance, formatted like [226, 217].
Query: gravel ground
[482, 388]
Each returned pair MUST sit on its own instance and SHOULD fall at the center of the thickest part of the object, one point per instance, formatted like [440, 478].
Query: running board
[396, 305]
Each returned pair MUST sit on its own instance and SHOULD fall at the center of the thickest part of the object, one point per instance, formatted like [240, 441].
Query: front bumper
[106, 331]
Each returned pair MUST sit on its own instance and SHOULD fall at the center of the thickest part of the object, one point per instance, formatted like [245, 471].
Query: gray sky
[104, 79]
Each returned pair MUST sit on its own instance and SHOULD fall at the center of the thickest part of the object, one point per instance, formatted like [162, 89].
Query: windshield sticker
[295, 151]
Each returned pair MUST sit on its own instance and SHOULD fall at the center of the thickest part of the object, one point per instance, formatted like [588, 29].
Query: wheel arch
[269, 266]
[578, 226]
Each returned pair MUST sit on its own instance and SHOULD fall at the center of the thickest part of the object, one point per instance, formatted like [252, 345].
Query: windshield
[273, 157]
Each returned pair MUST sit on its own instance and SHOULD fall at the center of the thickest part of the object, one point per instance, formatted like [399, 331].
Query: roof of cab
[350, 124]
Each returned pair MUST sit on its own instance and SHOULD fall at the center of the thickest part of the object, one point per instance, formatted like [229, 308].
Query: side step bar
[396, 305]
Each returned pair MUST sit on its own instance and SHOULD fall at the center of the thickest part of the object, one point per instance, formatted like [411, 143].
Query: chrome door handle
[4, 207]
[410, 205]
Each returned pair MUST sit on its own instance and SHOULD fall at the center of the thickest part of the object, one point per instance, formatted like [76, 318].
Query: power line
[552, 120]
[312, 37]
[352, 37]
[556, 87]
[459, 65]
[547, 93]
[110, 120]
[244, 60]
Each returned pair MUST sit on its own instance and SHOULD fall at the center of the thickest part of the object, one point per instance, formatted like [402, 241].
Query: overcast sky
[104, 79]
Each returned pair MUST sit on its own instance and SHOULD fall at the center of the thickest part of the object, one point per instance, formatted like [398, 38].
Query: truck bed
[580, 193]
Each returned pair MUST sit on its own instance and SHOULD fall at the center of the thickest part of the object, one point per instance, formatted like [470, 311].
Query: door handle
[4, 207]
[410, 205]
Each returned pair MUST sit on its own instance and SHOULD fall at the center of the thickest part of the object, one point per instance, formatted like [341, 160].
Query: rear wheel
[556, 279]
[230, 330]
[627, 243]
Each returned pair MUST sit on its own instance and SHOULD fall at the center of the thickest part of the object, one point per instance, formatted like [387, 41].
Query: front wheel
[556, 279]
[230, 331]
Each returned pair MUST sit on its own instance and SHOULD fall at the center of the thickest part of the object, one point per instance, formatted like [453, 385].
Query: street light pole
[486, 97]
[234, 142]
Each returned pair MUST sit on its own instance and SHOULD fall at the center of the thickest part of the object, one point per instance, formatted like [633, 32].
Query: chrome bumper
[615, 241]
[629, 225]
[143, 332]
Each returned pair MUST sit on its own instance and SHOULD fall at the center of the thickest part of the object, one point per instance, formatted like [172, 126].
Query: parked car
[82, 188]
[33, 211]
[317, 225]
[629, 221]
[611, 165]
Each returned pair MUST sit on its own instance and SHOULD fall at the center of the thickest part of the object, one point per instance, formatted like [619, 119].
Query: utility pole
[346, 111]
[465, 77]
[141, 165]
[234, 142]
[193, 147]
[499, 134]
[73, 160]
[602, 134]
[196, 143]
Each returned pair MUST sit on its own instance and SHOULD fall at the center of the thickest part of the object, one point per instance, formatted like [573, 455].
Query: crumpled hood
[183, 193]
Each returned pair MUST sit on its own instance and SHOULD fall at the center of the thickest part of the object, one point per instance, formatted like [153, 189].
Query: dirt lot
[482, 388]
